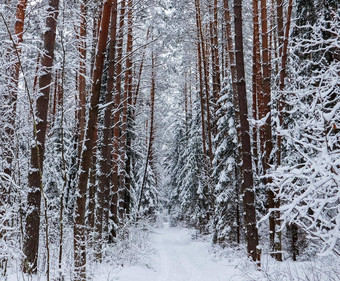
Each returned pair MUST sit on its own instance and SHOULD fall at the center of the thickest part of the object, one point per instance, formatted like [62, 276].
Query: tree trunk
[256, 77]
[265, 117]
[126, 139]
[231, 58]
[247, 185]
[283, 50]
[79, 225]
[82, 78]
[125, 186]
[102, 213]
[206, 77]
[149, 156]
[200, 74]
[213, 26]
[116, 125]
[31, 242]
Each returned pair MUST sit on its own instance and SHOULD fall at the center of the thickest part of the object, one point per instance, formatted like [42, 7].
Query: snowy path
[179, 258]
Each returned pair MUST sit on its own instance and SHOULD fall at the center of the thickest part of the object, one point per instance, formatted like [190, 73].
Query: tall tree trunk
[82, 78]
[256, 77]
[283, 50]
[126, 140]
[79, 225]
[213, 26]
[149, 156]
[116, 124]
[102, 213]
[125, 187]
[265, 117]
[247, 185]
[200, 74]
[232, 66]
[205, 76]
[31, 241]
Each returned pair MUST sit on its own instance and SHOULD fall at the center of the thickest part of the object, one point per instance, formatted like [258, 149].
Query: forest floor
[180, 258]
[178, 254]
[165, 253]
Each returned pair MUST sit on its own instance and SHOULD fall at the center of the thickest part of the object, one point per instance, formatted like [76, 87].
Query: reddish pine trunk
[31, 242]
[79, 225]
[247, 185]
[102, 213]
[125, 177]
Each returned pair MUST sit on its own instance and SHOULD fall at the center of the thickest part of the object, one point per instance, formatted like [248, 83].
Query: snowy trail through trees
[179, 258]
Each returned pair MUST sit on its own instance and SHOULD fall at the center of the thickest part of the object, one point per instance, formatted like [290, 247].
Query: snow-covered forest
[169, 140]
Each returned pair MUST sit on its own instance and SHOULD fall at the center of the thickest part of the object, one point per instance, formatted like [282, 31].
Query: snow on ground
[166, 253]
[179, 258]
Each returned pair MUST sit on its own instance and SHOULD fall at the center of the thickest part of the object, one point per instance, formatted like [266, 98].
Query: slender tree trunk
[200, 71]
[213, 26]
[256, 77]
[31, 242]
[283, 49]
[82, 77]
[116, 124]
[247, 185]
[126, 136]
[149, 156]
[205, 76]
[137, 88]
[125, 186]
[79, 225]
[265, 116]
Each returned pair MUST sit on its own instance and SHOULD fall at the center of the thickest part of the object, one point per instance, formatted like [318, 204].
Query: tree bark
[213, 26]
[79, 225]
[31, 241]
[81, 112]
[200, 74]
[125, 177]
[266, 144]
[256, 77]
[105, 180]
[116, 125]
[149, 156]
[126, 138]
[247, 185]
[205, 77]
